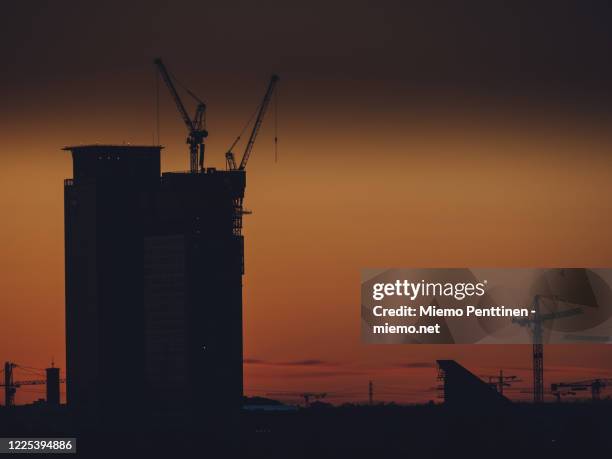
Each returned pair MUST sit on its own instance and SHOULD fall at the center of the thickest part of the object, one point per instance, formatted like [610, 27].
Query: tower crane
[559, 393]
[500, 381]
[596, 385]
[196, 126]
[536, 326]
[230, 159]
[11, 386]
[263, 106]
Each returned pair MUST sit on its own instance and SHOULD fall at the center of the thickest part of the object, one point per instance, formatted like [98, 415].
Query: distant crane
[11, 386]
[559, 393]
[263, 106]
[196, 126]
[535, 325]
[307, 396]
[595, 385]
[500, 381]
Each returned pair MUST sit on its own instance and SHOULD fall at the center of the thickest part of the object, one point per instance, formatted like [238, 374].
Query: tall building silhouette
[154, 266]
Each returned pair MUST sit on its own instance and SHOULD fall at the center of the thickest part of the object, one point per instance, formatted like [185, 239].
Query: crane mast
[263, 107]
[195, 127]
[536, 326]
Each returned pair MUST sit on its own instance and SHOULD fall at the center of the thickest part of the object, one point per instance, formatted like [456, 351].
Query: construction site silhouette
[154, 336]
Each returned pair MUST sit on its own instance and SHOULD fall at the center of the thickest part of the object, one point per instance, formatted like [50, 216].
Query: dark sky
[485, 46]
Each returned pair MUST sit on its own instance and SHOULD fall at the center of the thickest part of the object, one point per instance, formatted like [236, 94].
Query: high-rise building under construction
[154, 267]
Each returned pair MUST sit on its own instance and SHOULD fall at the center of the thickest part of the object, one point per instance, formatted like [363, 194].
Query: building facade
[154, 270]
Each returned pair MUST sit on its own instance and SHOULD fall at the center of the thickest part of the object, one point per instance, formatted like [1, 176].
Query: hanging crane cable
[276, 127]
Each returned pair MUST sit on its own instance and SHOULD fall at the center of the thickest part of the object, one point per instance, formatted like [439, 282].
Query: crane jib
[195, 126]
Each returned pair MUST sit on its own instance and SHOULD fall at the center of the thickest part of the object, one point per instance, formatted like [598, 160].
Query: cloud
[415, 365]
[290, 363]
[322, 374]
[306, 363]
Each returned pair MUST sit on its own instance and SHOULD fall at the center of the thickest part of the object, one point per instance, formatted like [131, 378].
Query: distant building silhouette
[154, 270]
[53, 386]
[463, 389]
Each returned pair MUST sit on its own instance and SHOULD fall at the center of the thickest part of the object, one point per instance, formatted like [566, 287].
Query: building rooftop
[116, 147]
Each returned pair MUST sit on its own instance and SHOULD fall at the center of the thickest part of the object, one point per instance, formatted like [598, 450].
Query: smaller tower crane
[230, 159]
[261, 113]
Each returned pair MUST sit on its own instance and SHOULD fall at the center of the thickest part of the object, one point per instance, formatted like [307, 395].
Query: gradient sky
[411, 134]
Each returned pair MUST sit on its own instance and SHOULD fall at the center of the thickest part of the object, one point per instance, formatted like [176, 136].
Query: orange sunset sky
[399, 146]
